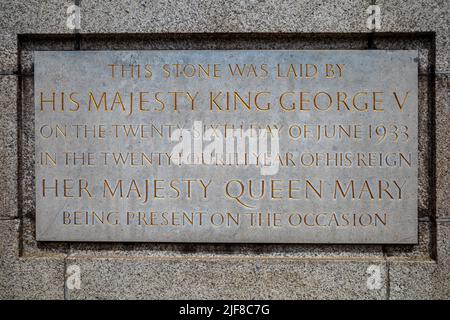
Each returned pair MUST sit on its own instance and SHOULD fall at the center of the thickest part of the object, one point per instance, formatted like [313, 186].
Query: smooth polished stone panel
[309, 146]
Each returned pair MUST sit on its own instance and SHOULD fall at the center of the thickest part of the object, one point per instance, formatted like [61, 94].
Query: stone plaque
[279, 146]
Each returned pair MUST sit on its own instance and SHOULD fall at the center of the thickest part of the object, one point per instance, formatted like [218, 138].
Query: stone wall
[30, 269]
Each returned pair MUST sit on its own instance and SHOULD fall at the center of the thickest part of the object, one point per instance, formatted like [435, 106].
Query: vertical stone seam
[388, 280]
[432, 161]
[19, 147]
[64, 277]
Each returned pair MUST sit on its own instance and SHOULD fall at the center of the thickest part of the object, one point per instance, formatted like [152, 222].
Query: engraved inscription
[281, 146]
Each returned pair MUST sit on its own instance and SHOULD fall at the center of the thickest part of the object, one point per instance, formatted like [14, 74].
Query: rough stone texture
[420, 16]
[27, 130]
[21, 278]
[8, 146]
[443, 146]
[424, 147]
[443, 246]
[213, 16]
[34, 16]
[254, 41]
[423, 280]
[9, 244]
[8, 53]
[31, 16]
[215, 278]
[133, 250]
[416, 280]
[38, 278]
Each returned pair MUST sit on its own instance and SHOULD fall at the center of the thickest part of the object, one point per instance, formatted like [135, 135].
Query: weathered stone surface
[27, 183]
[420, 16]
[253, 41]
[37, 278]
[34, 16]
[443, 146]
[424, 147]
[443, 245]
[423, 280]
[8, 52]
[22, 278]
[416, 280]
[187, 278]
[9, 244]
[8, 146]
[191, 250]
[212, 16]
